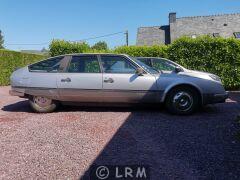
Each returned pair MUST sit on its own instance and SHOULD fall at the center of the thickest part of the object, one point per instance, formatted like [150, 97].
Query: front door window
[117, 64]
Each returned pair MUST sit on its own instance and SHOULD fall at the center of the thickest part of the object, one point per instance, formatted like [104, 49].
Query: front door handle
[66, 80]
[109, 80]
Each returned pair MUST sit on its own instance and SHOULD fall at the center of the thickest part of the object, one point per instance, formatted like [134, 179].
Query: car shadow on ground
[20, 106]
[201, 146]
[23, 106]
[235, 96]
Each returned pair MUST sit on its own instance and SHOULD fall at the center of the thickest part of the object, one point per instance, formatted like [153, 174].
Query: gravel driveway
[64, 144]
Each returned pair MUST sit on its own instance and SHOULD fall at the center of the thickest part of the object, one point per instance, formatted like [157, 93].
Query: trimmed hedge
[216, 55]
[60, 47]
[10, 60]
[143, 51]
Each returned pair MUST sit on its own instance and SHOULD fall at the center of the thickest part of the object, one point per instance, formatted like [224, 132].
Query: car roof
[76, 54]
[153, 58]
[150, 58]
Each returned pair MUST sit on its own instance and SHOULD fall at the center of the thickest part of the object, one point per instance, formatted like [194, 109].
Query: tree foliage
[1, 40]
[101, 45]
[59, 47]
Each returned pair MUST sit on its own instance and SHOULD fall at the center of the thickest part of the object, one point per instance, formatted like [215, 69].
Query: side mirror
[139, 71]
[178, 69]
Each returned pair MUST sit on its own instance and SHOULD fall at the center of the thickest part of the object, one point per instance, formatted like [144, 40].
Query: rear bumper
[16, 93]
[215, 98]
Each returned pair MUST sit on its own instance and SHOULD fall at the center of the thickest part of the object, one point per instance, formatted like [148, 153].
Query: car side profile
[111, 78]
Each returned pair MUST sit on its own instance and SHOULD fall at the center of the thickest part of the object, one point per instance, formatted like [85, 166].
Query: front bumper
[215, 98]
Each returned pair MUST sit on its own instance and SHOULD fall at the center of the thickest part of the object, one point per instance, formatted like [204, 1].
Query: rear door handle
[66, 80]
[109, 80]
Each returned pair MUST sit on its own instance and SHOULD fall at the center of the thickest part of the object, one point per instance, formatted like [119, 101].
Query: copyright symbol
[102, 172]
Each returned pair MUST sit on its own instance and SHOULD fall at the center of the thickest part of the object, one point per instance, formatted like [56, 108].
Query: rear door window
[84, 64]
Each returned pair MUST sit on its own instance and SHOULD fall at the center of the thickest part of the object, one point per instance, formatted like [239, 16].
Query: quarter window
[49, 65]
[84, 64]
[117, 64]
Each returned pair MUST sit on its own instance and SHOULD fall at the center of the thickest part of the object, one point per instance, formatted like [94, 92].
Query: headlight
[214, 77]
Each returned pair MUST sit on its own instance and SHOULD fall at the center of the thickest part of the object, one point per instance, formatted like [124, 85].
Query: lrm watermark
[106, 172]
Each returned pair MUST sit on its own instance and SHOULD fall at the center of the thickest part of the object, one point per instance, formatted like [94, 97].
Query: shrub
[10, 60]
[1, 40]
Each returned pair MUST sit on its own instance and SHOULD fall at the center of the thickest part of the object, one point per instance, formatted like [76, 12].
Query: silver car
[111, 78]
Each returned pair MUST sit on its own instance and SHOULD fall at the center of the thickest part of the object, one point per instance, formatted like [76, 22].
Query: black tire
[182, 101]
[39, 107]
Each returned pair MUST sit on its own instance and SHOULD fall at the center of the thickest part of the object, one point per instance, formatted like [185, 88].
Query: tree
[101, 45]
[1, 40]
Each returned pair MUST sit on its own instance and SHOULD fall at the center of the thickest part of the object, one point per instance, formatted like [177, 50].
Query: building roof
[154, 26]
[216, 15]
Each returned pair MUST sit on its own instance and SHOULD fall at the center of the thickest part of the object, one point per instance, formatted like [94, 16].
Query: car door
[122, 84]
[82, 80]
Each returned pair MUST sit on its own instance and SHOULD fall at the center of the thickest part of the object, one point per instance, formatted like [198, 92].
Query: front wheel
[182, 101]
[42, 104]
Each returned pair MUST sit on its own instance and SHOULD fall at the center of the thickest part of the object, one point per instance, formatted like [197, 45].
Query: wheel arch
[196, 88]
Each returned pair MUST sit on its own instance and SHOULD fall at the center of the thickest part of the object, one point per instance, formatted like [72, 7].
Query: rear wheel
[182, 100]
[42, 104]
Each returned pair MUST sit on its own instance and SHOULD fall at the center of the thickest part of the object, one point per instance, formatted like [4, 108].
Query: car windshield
[163, 64]
[160, 64]
[146, 67]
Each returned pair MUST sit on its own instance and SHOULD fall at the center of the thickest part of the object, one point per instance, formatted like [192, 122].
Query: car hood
[195, 73]
[186, 73]
[199, 74]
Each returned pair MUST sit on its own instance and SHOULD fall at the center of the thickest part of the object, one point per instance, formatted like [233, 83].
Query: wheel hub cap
[42, 101]
[183, 101]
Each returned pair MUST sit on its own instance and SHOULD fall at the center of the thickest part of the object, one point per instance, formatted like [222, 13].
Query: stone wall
[225, 25]
[153, 35]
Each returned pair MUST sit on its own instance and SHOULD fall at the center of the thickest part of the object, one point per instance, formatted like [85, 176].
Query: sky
[25, 22]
